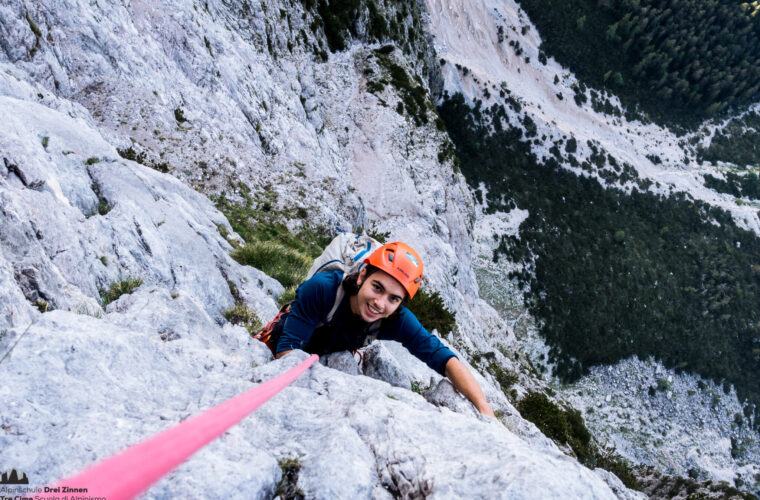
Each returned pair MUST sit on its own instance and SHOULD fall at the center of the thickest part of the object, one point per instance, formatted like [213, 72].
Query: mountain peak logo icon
[12, 478]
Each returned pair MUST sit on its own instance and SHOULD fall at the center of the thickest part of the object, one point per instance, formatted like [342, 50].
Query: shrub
[288, 489]
[610, 461]
[119, 288]
[429, 309]
[563, 426]
[179, 115]
[504, 377]
[663, 385]
[43, 305]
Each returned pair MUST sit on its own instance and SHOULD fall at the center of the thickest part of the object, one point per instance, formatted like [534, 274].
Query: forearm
[465, 382]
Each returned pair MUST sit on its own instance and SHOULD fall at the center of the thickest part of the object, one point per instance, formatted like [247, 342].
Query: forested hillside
[611, 274]
[680, 61]
[737, 142]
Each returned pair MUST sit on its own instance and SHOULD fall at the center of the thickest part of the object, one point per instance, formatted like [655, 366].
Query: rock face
[104, 385]
[77, 218]
[214, 96]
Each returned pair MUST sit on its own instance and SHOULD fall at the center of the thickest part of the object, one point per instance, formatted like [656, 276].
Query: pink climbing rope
[134, 470]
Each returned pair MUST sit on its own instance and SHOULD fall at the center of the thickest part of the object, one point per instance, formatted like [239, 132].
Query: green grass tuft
[119, 288]
[285, 264]
[269, 246]
[288, 488]
[240, 314]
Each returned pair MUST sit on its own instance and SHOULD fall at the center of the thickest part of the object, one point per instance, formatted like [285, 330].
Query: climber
[367, 304]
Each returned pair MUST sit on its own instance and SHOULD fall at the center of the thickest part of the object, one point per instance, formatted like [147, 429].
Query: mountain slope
[241, 101]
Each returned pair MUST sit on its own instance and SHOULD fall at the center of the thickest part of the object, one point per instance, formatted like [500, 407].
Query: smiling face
[379, 296]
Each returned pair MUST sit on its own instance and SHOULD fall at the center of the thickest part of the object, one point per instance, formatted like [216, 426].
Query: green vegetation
[241, 315]
[609, 274]
[738, 142]
[43, 305]
[738, 185]
[141, 158]
[33, 26]
[92, 160]
[429, 309]
[119, 288]
[505, 378]
[208, 47]
[608, 459]
[340, 18]
[103, 206]
[270, 246]
[567, 427]
[377, 235]
[288, 488]
[680, 61]
[419, 388]
[130, 154]
[563, 426]
[287, 265]
[659, 485]
[37, 34]
[179, 115]
[45, 141]
[412, 92]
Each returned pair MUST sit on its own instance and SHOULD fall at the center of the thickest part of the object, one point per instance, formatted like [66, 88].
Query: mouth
[372, 312]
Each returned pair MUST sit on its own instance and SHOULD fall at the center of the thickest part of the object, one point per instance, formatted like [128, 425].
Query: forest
[610, 274]
[737, 142]
[677, 62]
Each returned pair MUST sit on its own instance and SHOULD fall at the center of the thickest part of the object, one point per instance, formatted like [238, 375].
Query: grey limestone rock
[380, 364]
[343, 361]
[443, 394]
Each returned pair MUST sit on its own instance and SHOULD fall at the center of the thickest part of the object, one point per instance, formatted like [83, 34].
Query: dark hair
[351, 287]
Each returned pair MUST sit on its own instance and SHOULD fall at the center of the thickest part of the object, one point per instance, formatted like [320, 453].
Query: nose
[380, 303]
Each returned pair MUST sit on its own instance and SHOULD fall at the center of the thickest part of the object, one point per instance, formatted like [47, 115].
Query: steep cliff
[121, 120]
[129, 126]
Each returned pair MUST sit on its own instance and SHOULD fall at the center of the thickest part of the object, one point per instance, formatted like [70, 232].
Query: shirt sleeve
[408, 330]
[314, 299]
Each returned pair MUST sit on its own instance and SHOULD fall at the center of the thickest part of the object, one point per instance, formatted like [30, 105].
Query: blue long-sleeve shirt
[306, 326]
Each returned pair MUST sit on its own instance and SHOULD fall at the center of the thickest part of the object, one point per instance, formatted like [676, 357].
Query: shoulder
[405, 322]
[320, 285]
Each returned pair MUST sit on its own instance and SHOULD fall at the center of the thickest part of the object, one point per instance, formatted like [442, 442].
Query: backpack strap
[339, 295]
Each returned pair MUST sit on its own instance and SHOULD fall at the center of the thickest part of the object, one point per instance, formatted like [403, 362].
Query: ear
[362, 275]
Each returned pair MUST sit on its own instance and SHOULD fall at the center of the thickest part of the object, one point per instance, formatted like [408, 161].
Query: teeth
[372, 309]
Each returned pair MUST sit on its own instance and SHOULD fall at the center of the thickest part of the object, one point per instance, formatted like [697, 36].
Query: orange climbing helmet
[400, 261]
